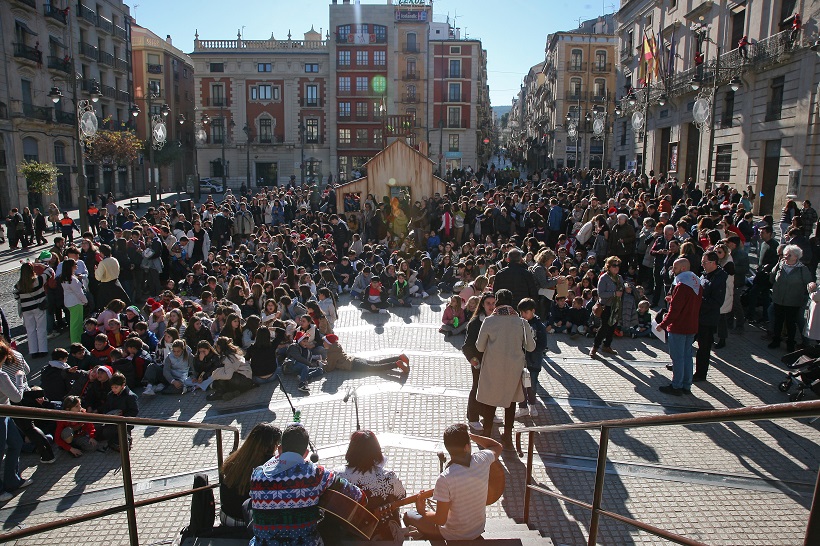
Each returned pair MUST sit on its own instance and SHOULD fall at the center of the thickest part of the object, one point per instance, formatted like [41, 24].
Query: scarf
[505, 311]
[615, 315]
[689, 279]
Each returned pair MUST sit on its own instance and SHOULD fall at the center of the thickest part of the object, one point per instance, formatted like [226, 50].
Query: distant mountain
[501, 110]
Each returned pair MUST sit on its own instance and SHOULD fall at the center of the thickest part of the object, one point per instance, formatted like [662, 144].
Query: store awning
[24, 27]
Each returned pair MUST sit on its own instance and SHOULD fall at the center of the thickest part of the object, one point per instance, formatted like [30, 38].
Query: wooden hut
[398, 167]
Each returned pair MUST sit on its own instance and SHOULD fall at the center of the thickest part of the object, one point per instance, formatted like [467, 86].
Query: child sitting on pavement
[577, 318]
[559, 314]
[300, 361]
[120, 401]
[361, 283]
[643, 327]
[535, 358]
[89, 333]
[374, 298]
[453, 321]
[172, 376]
[74, 437]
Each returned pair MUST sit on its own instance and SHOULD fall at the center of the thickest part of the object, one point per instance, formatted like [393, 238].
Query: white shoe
[384, 311]
[149, 390]
[533, 411]
[5, 496]
[425, 295]
[159, 388]
[53, 335]
[498, 420]
[522, 412]
[476, 425]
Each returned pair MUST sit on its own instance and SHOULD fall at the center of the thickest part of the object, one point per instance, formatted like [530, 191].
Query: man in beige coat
[504, 338]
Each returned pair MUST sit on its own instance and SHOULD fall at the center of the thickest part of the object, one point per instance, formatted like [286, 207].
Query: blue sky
[512, 31]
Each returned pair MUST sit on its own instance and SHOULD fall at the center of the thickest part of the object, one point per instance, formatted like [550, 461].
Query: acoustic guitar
[349, 513]
[495, 488]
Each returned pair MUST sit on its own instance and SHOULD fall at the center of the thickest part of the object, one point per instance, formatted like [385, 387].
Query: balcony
[272, 139]
[576, 96]
[120, 32]
[108, 91]
[41, 113]
[88, 50]
[66, 118]
[457, 98]
[454, 124]
[410, 76]
[573, 66]
[123, 96]
[357, 93]
[121, 64]
[601, 68]
[310, 103]
[410, 99]
[410, 48]
[55, 13]
[600, 98]
[218, 102]
[29, 3]
[154, 68]
[23, 51]
[106, 58]
[86, 14]
[463, 74]
[627, 52]
[359, 145]
[105, 24]
[59, 63]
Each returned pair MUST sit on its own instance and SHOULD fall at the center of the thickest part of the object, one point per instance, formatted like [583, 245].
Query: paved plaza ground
[747, 483]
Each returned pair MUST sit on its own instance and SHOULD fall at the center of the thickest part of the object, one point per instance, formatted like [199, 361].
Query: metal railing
[120, 32]
[130, 506]
[55, 13]
[59, 63]
[24, 51]
[106, 58]
[30, 3]
[154, 68]
[105, 24]
[42, 113]
[757, 413]
[87, 14]
[89, 50]
[121, 64]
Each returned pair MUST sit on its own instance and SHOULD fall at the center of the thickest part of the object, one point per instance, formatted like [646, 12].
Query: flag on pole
[670, 66]
[646, 54]
[650, 56]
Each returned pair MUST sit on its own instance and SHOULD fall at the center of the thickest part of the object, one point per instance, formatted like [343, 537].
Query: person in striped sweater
[31, 296]
[285, 493]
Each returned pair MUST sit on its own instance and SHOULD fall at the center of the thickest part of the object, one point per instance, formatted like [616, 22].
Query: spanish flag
[649, 60]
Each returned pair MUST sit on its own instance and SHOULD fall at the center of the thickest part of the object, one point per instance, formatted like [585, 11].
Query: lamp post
[247, 130]
[157, 135]
[302, 150]
[86, 129]
[639, 110]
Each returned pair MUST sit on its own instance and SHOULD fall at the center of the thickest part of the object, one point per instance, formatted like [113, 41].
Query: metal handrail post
[527, 491]
[600, 474]
[813, 527]
[127, 484]
[219, 450]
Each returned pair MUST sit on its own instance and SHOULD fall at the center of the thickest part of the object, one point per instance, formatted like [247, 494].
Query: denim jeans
[681, 351]
[304, 372]
[11, 444]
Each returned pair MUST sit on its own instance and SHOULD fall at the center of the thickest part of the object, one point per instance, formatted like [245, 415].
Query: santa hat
[612, 210]
[154, 304]
[298, 336]
[107, 370]
[333, 339]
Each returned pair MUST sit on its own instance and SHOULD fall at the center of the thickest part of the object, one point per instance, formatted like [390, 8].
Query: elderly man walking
[681, 322]
[516, 278]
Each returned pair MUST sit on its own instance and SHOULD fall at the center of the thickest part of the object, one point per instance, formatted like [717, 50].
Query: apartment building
[331, 102]
[752, 121]
[163, 74]
[43, 43]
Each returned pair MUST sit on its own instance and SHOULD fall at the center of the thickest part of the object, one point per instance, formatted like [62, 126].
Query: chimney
[168, 39]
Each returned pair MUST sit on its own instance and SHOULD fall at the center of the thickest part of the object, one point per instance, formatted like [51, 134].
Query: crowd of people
[238, 293]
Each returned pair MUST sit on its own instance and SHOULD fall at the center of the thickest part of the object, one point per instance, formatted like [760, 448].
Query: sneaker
[5, 496]
[48, 461]
[476, 425]
[149, 391]
[593, 352]
[533, 411]
[303, 387]
[384, 311]
[522, 412]
[669, 389]
[159, 388]
[25, 484]
[425, 295]
[53, 335]
[402, 365]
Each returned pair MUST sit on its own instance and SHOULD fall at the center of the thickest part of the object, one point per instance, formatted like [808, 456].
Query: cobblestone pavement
[745, 483]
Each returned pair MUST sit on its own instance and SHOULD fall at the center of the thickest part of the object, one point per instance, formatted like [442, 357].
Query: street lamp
[630, 105]
[157, 135]
[86, 131]
[247, 130]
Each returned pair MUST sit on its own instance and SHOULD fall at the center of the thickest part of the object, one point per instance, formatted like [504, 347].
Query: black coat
[714, 292]
[517, 279]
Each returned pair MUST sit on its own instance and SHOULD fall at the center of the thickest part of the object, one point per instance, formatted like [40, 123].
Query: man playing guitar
[461, 490]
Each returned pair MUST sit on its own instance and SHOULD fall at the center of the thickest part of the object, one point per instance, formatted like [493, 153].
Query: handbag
[598, 310]
[148, 253]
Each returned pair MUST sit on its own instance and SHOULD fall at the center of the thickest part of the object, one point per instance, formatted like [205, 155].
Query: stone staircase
[498, 532]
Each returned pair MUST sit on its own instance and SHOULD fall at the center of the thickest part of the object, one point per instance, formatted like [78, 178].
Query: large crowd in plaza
[247, 290]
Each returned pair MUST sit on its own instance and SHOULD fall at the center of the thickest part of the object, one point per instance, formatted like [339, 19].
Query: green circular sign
[379, 84]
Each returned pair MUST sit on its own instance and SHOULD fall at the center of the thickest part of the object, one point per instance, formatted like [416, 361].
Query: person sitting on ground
[234, 487]
[453, 320]
[262, 355]
[74, 437]
[80, 357]
[361, 283]
[338, 359]
[134, 363]
[116, 335]
[559, 316]
[119, 401]
[461, 490]
[299, 360]
[102, 350]
[205, 361]
[644, 326]
[146, 336]
[374, 298]
[577, 318]
[233, 377]
[172, 376]
[54, 378]
[400, 292]
[89, 333]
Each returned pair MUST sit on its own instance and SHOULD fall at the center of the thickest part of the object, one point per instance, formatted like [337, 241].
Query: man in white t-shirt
[461, 490]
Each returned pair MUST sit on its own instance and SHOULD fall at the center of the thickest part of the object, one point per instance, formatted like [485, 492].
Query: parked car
[207, 185]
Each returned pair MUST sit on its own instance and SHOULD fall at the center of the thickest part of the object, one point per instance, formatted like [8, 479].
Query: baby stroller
[806, 366]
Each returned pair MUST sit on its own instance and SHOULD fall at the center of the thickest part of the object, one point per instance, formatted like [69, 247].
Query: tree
[114, 148]
[41, 177]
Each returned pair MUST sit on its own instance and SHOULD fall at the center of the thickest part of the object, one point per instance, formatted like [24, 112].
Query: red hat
[302, 236]
[153, 303]
[612, 210]
[297, 337]
[333, 339]
[107, 370]
[328, 235]
[156, 230]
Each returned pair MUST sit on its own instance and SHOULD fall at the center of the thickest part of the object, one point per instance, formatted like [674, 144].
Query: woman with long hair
[262, 355]
[610, 291]
[233, 377]
[31, 298]
[485, 308]
[250, 330]
[234, 488]
[73, 298]
[233, 329]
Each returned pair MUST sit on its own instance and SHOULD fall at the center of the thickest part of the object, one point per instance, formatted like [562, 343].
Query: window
[787, 14]
[217, 67]
[312, 95]
[412, 113]
[723, 163]
[575, 88]
[185, 73]
[59, 153]
[31, 150]
[311, 67]
[381, 33]
[362, 58]
[377, 138]
[263, 67]
[361, 137]
[454, 142]
[454, 92]
[379, 58]
[217, 130]
[265, 130]
[775, 110]
[600, 60]
[218, 95]
[312, 131]
[377, 109]
[153, 58]
[411, 67]
[344, 58]
[264, 92]
[410, 46]
[344, 83]
[600, 88]
[344, 109]
[454, 117]
[455, 50]
[155, 86]
[342, 32]
[629, 46]
[728, 109]
[576, 59]
[455, 68]
[362, 83]
[344, 136]
[361, 110]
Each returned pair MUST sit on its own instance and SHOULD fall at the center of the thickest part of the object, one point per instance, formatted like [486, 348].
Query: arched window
[575, 88]
[31, 151]
[59, 153]
[576, 59]
[411, 46]
[600, 88]
[600, 60]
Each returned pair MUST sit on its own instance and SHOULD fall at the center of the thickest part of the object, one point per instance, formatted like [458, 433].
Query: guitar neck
[387, 508]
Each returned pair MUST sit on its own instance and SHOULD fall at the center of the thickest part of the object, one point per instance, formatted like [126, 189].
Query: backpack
[203, 509]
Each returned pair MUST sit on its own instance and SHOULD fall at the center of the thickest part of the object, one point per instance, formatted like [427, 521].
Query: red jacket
[80, 429]
[684, 310]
